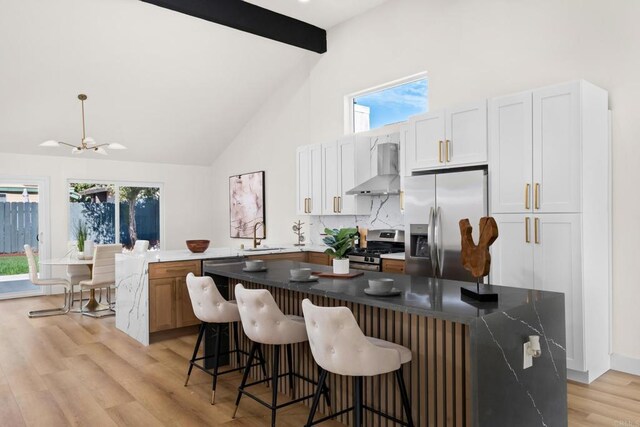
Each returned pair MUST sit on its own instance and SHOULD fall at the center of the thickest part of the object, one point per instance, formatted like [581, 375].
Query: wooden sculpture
[476, 258]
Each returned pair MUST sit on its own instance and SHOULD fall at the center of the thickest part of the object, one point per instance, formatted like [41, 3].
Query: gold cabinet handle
[310, 205]
[335, 209]
[527, 239]
[440, 151]
[446, 148]
[536, 229]
[339, 204]
[527, 196]
[402, 200]
[536, 202]
[305, 205]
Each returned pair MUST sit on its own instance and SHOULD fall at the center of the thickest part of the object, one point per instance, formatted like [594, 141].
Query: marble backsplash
[385, 213]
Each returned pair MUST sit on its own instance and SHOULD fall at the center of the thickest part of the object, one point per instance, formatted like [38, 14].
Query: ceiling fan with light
[87, 143]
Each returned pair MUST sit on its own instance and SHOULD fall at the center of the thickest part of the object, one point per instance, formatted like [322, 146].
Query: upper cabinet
[536, 151]
[452, 137]
[309, 180]
[345, 164]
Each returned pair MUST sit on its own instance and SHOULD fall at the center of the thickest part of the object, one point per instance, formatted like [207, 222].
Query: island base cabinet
[169, 302]
[162, 305]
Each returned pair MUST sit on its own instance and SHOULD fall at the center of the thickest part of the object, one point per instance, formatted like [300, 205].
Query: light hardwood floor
[74, 370]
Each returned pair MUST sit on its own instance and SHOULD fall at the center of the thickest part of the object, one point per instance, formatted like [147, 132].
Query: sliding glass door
[24, 220]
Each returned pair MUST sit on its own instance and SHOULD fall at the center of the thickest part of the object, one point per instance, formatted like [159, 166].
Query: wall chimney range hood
[385, 176]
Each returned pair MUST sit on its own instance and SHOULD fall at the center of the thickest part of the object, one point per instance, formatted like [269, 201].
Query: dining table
[92, 305]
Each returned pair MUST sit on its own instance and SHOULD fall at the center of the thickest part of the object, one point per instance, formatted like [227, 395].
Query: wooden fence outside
[18, 226]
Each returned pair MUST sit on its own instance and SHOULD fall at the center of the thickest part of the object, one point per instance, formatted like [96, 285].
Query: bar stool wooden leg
[405, 397]
[195, 350]
[218, 329]
[245, 375]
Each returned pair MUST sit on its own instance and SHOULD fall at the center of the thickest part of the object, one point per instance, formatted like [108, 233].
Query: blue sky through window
[396, 104]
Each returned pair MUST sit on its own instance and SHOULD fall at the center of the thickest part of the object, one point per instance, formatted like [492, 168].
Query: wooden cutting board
[329, 275]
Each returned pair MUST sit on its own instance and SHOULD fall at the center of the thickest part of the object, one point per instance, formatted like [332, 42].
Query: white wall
[471, 49]
[186, 197]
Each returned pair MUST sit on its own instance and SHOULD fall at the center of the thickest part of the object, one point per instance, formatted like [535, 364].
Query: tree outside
[138, 212]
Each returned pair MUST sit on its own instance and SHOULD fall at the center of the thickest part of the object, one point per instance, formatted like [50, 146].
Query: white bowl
[381, 285]
[300, 273]
[256, 264]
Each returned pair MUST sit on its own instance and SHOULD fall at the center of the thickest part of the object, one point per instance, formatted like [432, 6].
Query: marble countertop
[213, 253]
[420, 295]
[399, 256]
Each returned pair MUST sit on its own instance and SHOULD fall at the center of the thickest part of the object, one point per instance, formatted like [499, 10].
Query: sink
[262, 249]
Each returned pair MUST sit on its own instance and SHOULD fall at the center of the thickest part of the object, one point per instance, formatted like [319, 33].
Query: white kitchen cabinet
[543, 252]
[541, 141]
[330, 178]
[425, 143]
[453, 137]
[536, 158]
[511, 161]
[557, 268]
[466, 134]
[556, 148]
[512, 252]
[309, 180]
[345, 164]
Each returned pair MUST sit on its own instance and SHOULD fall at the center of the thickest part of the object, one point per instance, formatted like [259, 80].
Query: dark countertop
[420, 295]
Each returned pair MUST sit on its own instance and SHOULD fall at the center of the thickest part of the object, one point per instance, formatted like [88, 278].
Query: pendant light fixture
[87, 143]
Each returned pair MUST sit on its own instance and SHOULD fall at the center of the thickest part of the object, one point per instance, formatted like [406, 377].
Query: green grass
[14, 265]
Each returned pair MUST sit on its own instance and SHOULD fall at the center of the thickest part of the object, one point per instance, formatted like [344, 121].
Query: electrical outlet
[527, 358]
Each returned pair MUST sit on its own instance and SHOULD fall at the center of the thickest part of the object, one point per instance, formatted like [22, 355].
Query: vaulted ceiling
[170, 87]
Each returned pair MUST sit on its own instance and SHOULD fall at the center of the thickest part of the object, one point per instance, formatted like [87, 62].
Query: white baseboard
[626, 364]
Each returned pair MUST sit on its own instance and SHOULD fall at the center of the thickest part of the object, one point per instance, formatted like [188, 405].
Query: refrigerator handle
[432, 242]
[437, 241]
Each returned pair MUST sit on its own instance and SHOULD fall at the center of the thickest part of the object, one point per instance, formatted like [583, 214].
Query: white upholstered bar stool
[210, 307]
[103, 276]
[36, 280]
[264, 324]
[339, 346]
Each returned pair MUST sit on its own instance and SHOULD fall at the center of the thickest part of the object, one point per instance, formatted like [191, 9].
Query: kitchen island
[467, 366]
[151, 293]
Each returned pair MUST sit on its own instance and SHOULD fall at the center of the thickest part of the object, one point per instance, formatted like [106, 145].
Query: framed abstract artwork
[246, 205]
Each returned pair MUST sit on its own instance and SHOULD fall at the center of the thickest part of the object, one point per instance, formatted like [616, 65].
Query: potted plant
[80, 232]
[340, 242]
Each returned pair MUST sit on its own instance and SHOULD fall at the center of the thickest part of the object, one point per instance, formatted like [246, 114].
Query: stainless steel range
[379, 242]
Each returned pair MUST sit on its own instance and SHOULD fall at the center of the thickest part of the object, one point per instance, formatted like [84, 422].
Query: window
[106, 207]
[389, 104]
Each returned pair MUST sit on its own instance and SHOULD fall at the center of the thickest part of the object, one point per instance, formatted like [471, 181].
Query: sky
[397, 103]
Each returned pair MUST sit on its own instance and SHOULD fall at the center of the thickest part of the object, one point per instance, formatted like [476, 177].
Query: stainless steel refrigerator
[434, 204]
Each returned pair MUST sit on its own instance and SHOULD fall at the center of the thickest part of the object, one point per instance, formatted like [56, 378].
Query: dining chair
[141, 246]
[103, 276]
[36, 280]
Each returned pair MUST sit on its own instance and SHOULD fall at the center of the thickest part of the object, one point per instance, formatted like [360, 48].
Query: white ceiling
[170, 87]
[321, 13]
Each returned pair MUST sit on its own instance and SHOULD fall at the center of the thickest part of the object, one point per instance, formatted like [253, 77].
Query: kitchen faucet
[256, 242]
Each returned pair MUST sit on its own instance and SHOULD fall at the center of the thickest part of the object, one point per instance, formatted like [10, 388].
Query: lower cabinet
[544, 252]
[169, 302]
[319, 258]
[393, 266]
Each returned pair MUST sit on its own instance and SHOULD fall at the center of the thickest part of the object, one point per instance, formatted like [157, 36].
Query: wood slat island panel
[436, 376]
